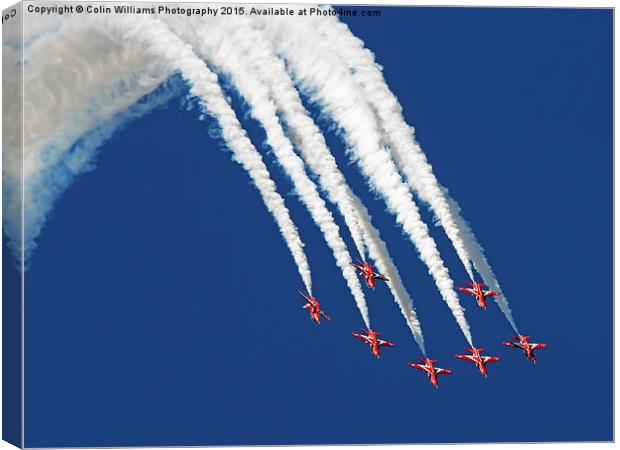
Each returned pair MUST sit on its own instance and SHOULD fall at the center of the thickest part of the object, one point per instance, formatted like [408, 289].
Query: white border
[483, 3]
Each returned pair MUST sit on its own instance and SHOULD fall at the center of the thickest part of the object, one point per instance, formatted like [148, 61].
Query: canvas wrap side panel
[12, 270]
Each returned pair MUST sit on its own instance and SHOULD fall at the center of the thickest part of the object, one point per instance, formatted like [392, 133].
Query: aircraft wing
[360, 268]
[421, 367]
[362, 337]
[385, 343]
[512, 344]
[466, 357]
[536, 346]
[443, 371]
[491, 294]
[488, 359]
[467, 290]
[325, 315]
[380, 277]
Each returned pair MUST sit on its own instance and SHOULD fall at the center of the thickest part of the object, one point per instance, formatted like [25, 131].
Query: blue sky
[162, 305]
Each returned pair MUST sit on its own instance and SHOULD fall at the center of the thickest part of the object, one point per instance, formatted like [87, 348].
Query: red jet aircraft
[314, 308]
[476, 291]
[430, 369]
[527, 347]
[478, 359]
[370, 337]
[368, 272]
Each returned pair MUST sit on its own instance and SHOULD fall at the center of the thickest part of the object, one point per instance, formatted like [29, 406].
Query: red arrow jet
[527, 347]
[430, 370]
[478, 359]
[314, 308]
[476, 291]
[370, 337]
[368, 272]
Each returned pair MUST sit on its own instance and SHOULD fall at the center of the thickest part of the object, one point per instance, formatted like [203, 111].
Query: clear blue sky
[162, 304]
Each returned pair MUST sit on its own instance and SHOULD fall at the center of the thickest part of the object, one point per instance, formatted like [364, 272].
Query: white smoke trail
[407, 153]
[480, 262]
[216, 46]
[71, 110]
[305, 134]
[158, 40]
[311, 143]
[379, 253]
[324, 78]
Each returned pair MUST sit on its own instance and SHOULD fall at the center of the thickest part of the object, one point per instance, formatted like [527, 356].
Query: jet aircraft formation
[370, 337]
